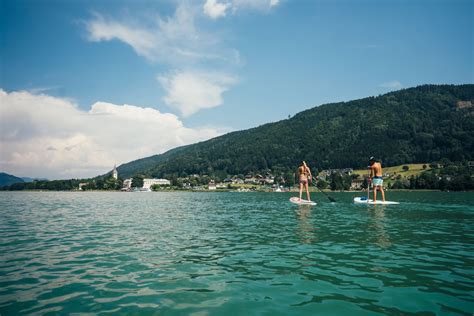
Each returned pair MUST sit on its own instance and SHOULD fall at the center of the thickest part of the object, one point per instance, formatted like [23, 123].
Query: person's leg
[307, 192]
[375, 193]
[383, 193]
[301, 189]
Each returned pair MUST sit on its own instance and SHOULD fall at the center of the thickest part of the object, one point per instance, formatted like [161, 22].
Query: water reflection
[378, 223]
[306, 230]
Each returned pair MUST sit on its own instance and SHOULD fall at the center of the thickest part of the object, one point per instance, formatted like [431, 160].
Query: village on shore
[443, 175]
[247, 183]
[345, 179]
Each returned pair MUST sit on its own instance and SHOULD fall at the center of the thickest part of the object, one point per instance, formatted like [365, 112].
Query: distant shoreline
[233, 191]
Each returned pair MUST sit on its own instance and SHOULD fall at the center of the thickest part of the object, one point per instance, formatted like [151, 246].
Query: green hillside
[7, 179]
[414, 125]
[414, 169]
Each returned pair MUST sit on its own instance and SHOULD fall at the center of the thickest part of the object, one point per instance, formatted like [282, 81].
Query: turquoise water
[235, 254]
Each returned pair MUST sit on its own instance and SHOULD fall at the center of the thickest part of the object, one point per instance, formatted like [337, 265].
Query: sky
[85, 85]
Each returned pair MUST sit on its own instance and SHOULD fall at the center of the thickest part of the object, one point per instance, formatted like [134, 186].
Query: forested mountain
[422, 124]
[7, 179]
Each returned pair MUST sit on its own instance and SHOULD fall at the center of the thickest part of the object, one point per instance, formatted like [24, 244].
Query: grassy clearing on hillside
[414, 169]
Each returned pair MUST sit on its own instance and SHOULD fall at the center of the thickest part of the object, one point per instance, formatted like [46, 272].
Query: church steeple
[115, 172]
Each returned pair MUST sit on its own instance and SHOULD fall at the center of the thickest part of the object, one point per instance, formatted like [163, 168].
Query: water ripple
[231, 253]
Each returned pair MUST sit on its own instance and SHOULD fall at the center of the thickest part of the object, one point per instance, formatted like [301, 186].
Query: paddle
[368, 187]
[330, 198]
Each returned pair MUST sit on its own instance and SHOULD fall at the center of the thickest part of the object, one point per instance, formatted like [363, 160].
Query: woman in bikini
[305, 177]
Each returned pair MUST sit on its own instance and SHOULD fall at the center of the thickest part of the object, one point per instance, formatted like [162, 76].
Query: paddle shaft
[315, 184]
[368, 186]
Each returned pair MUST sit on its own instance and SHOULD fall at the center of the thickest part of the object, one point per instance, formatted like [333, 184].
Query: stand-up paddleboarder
[376, 178]
[305, 176]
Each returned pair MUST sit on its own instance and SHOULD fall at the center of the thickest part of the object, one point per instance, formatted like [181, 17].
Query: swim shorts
[377, 181]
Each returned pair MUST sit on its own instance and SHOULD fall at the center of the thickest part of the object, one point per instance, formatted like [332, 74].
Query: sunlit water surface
[235, 254]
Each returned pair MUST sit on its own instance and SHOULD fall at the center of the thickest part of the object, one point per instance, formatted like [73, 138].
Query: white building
[221, 186]
[147, 183]
[250, 180]
[269, 180]
[212, 185]
[115, 173]
[127, 184]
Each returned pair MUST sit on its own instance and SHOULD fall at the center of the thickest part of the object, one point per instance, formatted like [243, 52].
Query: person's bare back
[376, 178]
[377, 169]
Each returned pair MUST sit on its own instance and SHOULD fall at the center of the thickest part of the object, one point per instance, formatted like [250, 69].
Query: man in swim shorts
[376, 178]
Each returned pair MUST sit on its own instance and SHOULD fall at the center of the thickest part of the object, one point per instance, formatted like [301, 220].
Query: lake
[235, 254]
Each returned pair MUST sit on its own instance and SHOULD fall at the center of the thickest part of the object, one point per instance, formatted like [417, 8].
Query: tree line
[452, 176]
[444, 175]
[103, 183]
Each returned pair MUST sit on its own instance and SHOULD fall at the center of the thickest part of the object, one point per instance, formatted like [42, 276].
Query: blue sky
[209, 66]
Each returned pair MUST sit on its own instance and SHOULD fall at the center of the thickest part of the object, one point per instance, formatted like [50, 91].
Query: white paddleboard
[363, 200]
[301, 202]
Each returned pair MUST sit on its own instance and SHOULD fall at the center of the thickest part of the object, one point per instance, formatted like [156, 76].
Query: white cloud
[176, 41]
[274, 3]
[259, 5]
[215, 9]
[171, 40]
[45, 136]
[190, 92]
[392, 84]
[141, 40]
